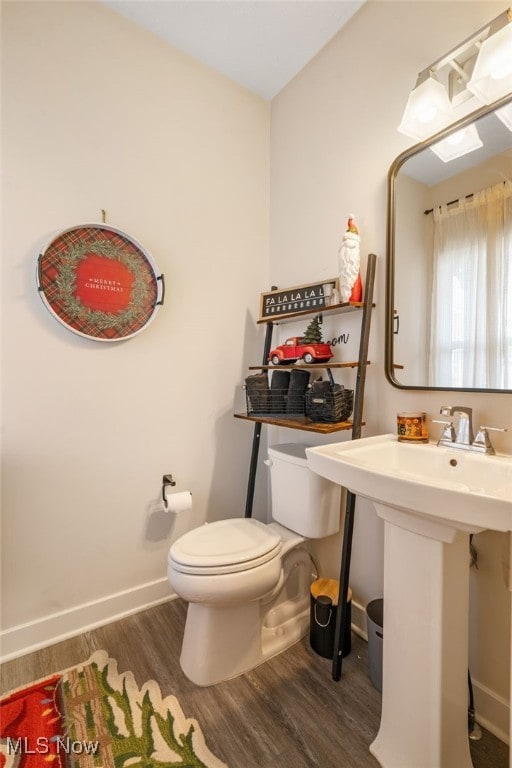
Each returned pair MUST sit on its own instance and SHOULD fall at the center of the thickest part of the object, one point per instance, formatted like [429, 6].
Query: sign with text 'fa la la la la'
[287, 302]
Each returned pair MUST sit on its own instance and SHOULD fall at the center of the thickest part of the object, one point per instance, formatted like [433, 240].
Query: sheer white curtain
[471, 321]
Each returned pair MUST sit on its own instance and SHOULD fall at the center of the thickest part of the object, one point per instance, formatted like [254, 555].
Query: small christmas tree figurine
[313, 334]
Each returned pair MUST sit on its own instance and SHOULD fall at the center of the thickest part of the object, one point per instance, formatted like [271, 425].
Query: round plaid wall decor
[99, 282]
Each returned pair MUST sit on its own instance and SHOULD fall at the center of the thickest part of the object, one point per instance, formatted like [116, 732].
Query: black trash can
[324, 606]
[375, 621]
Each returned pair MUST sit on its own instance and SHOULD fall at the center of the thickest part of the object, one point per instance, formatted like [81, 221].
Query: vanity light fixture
[476, 72]
[458, 144]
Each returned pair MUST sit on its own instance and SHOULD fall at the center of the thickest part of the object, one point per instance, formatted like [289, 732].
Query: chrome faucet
[462, 435]
[464, 430]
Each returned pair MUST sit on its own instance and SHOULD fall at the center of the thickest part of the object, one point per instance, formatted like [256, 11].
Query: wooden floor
[287, 713]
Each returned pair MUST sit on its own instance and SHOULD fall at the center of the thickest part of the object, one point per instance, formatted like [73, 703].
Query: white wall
[98, 113]
[333, 140]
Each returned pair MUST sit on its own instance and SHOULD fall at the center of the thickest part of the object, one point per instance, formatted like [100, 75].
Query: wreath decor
[57, 268]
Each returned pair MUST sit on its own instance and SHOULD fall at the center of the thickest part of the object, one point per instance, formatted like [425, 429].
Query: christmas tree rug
[92, 716]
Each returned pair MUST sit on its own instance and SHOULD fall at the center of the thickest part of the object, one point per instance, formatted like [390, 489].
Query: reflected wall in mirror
[449, 260]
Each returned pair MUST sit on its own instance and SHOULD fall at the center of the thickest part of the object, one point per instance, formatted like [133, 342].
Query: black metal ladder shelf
[355, 425]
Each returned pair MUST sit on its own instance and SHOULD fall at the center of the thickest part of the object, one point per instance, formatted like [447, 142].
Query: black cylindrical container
[324, 606]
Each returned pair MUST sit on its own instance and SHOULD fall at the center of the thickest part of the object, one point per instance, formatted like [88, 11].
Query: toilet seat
[226, 546]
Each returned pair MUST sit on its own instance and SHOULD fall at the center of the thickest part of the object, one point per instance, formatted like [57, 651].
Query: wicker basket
[283, 395]
[329, 405]
[276, 402]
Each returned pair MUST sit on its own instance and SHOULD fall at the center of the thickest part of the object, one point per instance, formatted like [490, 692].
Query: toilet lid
[226, 546]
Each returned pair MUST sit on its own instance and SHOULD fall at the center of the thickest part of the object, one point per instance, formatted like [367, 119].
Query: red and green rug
[92, 716]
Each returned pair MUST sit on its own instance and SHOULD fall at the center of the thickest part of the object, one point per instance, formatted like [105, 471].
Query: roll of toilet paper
[178, 502]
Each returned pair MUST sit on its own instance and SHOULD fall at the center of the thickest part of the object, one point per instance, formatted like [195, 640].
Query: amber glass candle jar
[412, 427]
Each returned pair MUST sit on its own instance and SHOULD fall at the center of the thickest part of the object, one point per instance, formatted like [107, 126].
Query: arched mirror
[449, 259]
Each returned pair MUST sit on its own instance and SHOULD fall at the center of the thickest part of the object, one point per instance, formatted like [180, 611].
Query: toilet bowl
[247, 583]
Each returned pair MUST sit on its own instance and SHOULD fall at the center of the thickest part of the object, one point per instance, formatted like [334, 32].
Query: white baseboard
[358, 618]
[492, 711]
[25, 638]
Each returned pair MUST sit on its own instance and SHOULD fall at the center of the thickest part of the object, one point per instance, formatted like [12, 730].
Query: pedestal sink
[430, 498]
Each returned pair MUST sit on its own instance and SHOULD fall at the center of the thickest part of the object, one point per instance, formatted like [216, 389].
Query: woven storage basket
[329, 406]
[275, 402]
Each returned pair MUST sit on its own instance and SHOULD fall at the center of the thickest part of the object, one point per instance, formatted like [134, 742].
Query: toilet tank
[301, 500]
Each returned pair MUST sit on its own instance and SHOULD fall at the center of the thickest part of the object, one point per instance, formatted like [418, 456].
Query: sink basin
[470, 491]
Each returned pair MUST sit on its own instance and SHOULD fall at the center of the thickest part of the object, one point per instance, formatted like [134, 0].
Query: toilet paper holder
[166, 480]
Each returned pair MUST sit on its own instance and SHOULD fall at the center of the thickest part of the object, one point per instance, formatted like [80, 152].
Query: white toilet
[247, 583]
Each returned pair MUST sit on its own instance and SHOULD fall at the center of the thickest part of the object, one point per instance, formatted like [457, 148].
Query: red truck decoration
[298, 348]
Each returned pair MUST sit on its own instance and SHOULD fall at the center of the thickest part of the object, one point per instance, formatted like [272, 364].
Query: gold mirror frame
[390, 244]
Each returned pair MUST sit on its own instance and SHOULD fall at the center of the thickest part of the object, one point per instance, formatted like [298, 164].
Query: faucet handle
[482, 441]
[448, 434]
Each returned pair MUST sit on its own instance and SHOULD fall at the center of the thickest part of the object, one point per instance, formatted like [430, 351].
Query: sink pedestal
[430, 497]
[424, 720]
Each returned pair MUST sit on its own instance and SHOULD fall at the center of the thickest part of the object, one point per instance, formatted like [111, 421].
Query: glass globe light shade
[505, 115]
[492, 75]
[458, 144]
[427, 111]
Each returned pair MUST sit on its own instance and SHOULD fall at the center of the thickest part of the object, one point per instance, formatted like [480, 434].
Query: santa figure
[349, 261]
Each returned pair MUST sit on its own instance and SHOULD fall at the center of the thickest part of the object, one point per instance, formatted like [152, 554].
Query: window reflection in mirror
[450, 266]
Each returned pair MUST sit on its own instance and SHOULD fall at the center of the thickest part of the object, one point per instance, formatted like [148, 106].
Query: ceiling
[261, 44]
